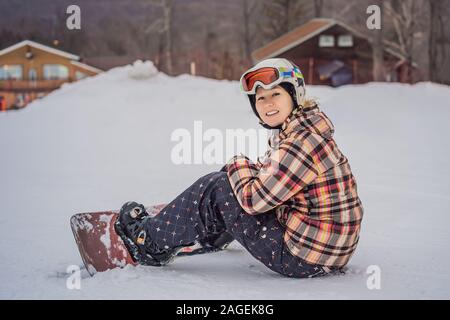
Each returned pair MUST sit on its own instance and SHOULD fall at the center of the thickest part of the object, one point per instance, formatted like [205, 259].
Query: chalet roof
[40, 47]
[301, 34]
[85, 66]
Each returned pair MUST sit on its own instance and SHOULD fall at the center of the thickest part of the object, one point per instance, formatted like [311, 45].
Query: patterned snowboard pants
[209, 206]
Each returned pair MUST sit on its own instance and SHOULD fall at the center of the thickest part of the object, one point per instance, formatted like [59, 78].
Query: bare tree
[227, 66]
[318, 8]
[436, 47]
[163, 26]
[248, 7]
[281, 16]
[378, 50]
[405, 15]
[8, 37]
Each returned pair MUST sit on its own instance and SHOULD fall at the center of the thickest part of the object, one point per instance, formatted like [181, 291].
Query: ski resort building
[30, 70]
[331, 53]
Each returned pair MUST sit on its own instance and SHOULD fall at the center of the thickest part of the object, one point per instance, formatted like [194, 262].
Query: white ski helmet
[271, 72]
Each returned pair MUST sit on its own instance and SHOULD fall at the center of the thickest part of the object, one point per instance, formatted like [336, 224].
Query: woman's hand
[225, 167]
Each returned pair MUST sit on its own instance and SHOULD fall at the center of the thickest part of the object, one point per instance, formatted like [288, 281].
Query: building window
[326, 41]
[55, 72]
[11, 71]
[32, 75]
[80, 75]
[345, 40]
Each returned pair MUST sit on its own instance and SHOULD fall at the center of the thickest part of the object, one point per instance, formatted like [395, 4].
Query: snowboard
[102, 249]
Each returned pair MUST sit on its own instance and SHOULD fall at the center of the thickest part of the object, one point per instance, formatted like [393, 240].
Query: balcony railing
[31, 85]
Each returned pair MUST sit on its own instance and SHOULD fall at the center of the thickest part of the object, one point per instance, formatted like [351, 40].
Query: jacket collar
[309, 118]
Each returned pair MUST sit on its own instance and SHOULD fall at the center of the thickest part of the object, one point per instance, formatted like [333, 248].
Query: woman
[297, 211]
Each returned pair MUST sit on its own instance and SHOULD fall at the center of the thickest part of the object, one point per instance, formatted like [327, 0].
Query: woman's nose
[269, 103]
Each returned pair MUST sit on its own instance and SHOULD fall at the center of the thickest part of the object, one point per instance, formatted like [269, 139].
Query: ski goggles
[268, 77]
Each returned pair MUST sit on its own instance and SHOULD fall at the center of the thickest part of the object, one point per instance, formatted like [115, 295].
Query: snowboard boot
[130, 226]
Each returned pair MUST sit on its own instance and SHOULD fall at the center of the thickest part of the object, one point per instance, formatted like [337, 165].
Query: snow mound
[141, 70]
[99, 142]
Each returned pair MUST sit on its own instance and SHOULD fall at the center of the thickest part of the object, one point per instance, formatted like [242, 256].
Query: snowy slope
[95, 144]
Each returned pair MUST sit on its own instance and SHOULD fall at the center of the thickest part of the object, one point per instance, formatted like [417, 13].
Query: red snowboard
[100, 246]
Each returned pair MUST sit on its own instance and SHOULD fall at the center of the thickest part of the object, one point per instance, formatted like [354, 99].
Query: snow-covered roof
[303, 33]
[40, 47]
[294, 38]
[85, 66]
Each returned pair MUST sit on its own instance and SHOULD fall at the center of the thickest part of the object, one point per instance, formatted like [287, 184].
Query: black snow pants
[209, 206]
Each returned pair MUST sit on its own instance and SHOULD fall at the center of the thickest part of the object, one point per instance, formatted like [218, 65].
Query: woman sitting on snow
[298, 211]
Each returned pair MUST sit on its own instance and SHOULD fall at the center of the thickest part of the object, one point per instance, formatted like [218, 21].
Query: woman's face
[273, 105]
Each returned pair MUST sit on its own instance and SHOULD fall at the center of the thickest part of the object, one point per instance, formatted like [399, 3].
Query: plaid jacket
[308, 183]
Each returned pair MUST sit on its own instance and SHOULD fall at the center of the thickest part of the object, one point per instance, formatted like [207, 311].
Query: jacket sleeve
[289, 169]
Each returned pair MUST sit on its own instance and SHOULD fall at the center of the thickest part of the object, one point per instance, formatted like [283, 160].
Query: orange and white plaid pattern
[308, 184]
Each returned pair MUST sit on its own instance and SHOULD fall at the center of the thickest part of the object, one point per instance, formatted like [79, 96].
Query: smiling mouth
[272, 113]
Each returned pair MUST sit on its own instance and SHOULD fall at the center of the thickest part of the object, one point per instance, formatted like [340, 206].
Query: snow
[97, 143]
[83, 223]
[106, 237]
[142, 70]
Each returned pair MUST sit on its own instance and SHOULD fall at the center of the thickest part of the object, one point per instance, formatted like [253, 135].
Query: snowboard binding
[130, 227]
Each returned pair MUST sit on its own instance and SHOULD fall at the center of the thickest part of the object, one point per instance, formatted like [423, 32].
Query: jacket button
[264, 228]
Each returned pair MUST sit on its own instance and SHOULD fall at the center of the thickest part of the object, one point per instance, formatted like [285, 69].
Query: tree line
[221, 35]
